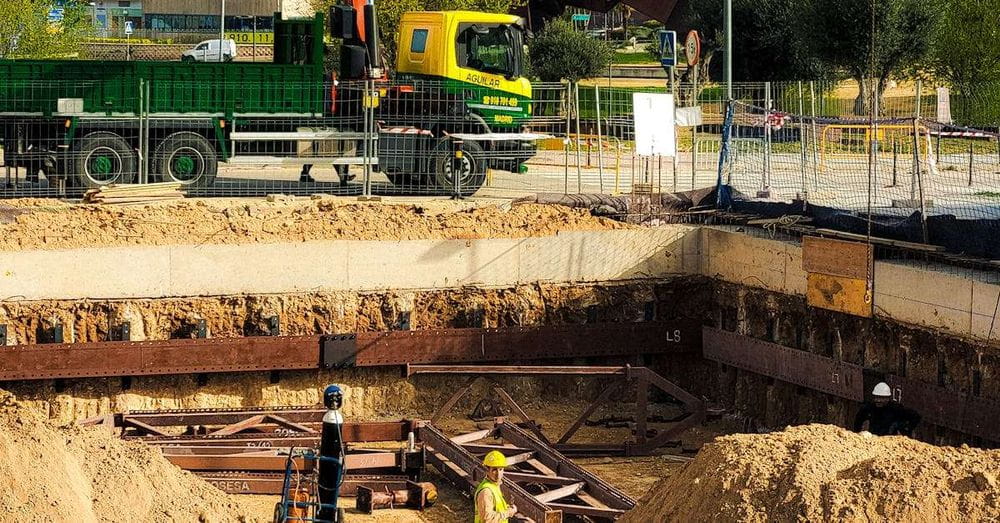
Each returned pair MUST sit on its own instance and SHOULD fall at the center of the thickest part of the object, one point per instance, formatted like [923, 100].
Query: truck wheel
[104, 158]
[187, 158]
[470, 168]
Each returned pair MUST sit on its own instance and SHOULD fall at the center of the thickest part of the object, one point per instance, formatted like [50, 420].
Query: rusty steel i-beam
[365, 349]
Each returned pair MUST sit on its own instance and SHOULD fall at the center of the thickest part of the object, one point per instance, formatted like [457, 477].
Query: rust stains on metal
[836, 257]
[787, 364]
[267, 353]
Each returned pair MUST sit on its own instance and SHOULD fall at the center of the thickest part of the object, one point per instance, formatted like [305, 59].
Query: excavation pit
[727, 314]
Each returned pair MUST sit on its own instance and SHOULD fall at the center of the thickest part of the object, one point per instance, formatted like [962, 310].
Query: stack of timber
[135, 193]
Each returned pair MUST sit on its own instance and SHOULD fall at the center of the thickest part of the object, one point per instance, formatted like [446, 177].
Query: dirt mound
[71, 474]
[257, 221]
[824, 473]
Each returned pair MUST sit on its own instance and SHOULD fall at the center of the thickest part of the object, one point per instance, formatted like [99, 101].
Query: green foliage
[558, 52]
[768, 38]
[839, 34]
[966, 47]
[25, 31]
[389, 13]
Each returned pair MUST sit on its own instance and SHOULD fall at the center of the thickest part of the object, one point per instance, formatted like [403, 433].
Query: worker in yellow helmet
[491, 507]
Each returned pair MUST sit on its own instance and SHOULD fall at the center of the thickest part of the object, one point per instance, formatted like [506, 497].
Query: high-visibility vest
[499, 503]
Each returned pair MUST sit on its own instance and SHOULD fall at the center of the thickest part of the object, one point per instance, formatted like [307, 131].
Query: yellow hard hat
[495, 459]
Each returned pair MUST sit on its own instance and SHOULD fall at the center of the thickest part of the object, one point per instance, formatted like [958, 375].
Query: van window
[419, 41]
[201, 47]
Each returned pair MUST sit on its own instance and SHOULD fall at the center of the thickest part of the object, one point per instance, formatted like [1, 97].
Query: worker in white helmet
[884, 416]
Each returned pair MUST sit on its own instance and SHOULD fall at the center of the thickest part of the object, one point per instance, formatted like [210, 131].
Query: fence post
[916, 147]
[569, 130]
[457, 159]
[675, 162]
[600, 146]
[694, 134]
[916, 161]
[970, 163]
[766, 182]
[895, 152]
[145, 137]
[812, 112]
[576, 112]
[802, 144]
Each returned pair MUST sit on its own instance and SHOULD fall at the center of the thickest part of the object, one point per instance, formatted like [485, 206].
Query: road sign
[128, 27]
[56, 14]
[581, 18]
[668, 48]
[692, 48]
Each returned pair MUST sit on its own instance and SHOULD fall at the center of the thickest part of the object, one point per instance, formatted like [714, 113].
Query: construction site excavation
[486, 303]
[172, 361]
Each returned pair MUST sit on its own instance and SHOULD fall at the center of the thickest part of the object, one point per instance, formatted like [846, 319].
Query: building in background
[155, 17]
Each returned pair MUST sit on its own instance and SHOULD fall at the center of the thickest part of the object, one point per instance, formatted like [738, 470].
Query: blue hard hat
[331, 389]
[332, 397]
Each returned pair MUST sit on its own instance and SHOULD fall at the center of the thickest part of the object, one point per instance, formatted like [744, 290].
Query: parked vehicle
[210, 51]
[458, 104]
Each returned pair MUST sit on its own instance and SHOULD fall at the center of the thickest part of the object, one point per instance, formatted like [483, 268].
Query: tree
[767, 41]
[558, 52]
[25, 31]
[389, 12]
[838, 33]
[966, 47]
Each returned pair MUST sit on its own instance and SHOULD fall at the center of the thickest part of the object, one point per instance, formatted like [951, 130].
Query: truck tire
[186, 157]
[104, 158]
[472, 170]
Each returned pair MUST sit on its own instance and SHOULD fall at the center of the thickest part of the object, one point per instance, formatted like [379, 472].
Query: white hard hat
[882, 390]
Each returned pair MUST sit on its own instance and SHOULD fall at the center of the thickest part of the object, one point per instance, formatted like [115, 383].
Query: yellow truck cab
[477, 55]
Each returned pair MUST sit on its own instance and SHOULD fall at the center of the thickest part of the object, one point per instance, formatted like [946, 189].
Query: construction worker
[491, 507]
[884, 416]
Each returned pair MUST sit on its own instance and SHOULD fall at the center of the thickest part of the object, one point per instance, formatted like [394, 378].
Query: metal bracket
[338, 351]
[120, 332]
[53, 334]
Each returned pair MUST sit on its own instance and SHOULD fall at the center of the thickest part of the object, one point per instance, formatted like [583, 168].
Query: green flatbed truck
[93, 123]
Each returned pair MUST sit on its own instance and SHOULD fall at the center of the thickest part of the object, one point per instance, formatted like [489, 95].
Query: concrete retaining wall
[938, 299]
[207, 270]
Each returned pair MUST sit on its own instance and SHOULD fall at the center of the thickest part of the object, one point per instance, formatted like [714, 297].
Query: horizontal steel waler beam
[365, 349]
[969, 414]
[271, 483]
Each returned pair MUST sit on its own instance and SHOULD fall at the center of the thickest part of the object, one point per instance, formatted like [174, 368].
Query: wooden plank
[472, 436]
[880, 241]
[559, 493]
[836, 257]
[839, 294]
[524, 477]
[239, 426]
[580, 510]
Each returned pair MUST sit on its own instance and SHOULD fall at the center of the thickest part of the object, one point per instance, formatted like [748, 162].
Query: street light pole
[222, 28]
[729, 49]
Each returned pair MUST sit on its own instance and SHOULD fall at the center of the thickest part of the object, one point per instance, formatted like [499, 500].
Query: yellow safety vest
[499, 503]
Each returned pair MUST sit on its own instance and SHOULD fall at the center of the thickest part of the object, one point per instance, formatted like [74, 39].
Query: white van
[208, 51]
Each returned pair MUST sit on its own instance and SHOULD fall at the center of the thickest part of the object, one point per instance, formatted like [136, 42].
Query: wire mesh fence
[918, 175]
[278, 129]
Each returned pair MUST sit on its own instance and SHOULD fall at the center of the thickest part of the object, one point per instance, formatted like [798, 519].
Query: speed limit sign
[692, 48]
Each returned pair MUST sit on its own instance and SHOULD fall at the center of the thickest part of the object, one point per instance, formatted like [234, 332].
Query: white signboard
[653, 114]
[128, 27]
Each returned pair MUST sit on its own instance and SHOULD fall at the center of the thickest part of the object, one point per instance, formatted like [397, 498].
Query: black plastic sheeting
[980, 238]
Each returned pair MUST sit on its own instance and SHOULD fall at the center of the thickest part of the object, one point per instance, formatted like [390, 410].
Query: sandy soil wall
[371, 393]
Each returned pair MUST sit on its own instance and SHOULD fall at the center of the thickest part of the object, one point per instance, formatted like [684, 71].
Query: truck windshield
[491, 48]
